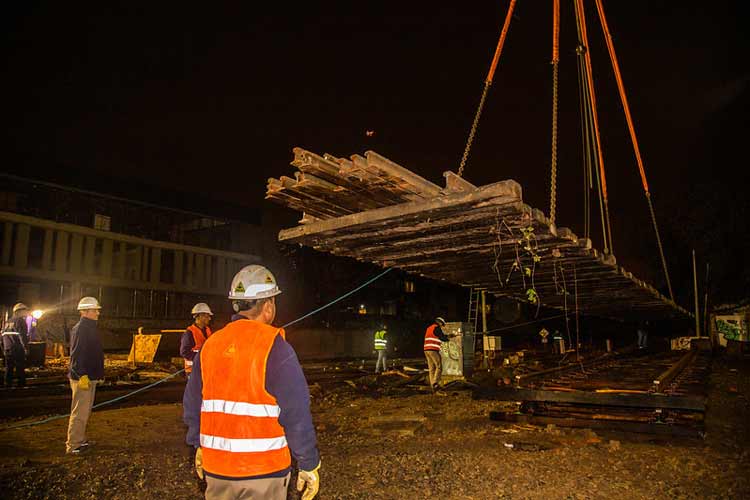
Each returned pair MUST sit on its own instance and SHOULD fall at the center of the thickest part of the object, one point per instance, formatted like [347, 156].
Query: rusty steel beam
[661, 383]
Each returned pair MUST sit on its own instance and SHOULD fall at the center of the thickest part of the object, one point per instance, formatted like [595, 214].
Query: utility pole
[484, 312]
[695, 292]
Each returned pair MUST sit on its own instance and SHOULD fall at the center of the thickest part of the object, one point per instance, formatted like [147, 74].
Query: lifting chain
[474, 127]
[553, 180]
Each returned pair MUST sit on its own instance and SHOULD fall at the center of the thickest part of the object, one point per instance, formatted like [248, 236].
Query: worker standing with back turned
[433, 339]
[196, 334]
[16, 346]
[381, 345]
[247, 404]
[86, 371]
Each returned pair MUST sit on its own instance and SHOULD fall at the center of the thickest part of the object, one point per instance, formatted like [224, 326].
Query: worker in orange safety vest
[433, 339]
[196, 334]
[247, 403]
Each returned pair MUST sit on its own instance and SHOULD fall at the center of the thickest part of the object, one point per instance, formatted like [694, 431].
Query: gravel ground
[403, 444]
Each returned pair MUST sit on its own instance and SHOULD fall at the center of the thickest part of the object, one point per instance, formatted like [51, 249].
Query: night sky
[210, 99]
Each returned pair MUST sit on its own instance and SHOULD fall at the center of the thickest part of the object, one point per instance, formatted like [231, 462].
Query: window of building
[409, 286]
[102, 222]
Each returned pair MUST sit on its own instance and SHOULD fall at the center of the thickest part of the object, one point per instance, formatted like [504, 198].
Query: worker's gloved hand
[84, 383]
[199, 463]
[309, 481]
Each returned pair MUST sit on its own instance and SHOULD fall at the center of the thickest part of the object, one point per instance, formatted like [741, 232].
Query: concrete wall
[321, 343]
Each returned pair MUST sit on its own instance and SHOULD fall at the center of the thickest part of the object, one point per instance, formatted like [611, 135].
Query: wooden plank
[697, 403]
[617, 425]
[499, 192]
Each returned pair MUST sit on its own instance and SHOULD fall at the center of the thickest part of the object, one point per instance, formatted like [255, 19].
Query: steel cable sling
[593, 121]
[634, 139]
[485, 91]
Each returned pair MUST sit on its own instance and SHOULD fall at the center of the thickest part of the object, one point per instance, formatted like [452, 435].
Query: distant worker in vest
[247, 403]
[433, 339]
[197, 333]
[86, 371]
[381, 347]
[16, 346]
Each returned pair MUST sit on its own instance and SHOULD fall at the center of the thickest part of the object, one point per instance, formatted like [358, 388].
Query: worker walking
[381, 346]
[433, 339]
[16, 346]
[86, 371]
[197, 333]
[247, 403]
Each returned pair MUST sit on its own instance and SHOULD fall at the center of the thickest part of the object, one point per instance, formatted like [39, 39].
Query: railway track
[638, 391]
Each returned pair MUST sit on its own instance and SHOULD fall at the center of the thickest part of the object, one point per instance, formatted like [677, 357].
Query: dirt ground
[400, 443]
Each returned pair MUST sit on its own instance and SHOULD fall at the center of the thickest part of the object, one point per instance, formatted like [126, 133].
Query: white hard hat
[440, 321]
[253, 282]
[201, 308]
[19, 307]
[88, 303]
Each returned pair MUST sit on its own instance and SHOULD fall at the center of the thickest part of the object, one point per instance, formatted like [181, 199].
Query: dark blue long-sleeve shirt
[86, 353]
[286, 382]
[22, 327]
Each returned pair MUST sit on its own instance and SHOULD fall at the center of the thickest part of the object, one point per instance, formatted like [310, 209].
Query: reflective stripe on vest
[431, 342]
[240, 431]
[243, 445]
[380, 341]
[240, 408]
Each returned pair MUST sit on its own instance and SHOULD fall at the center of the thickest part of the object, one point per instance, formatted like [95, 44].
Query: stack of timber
[373, 210]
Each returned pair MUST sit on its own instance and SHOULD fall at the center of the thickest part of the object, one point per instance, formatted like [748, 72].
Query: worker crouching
[247, 403]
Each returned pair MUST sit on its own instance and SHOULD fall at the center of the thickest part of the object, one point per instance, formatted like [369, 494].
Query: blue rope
[124, 396]
[360, 287]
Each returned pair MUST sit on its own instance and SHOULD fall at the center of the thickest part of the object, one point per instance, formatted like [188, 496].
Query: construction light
[37, 313]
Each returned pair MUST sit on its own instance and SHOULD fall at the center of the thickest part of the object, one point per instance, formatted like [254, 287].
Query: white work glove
[199, 463]
[309, 481]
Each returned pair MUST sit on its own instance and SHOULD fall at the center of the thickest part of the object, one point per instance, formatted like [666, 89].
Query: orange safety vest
[431, 342]
[240, 432]
[198, 338]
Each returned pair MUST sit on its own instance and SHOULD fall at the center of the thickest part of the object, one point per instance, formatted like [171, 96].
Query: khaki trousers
[80, 410]
[435, 365]
[271, 488]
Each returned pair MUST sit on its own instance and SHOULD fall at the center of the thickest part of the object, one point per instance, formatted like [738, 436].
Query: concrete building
[146, 264]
